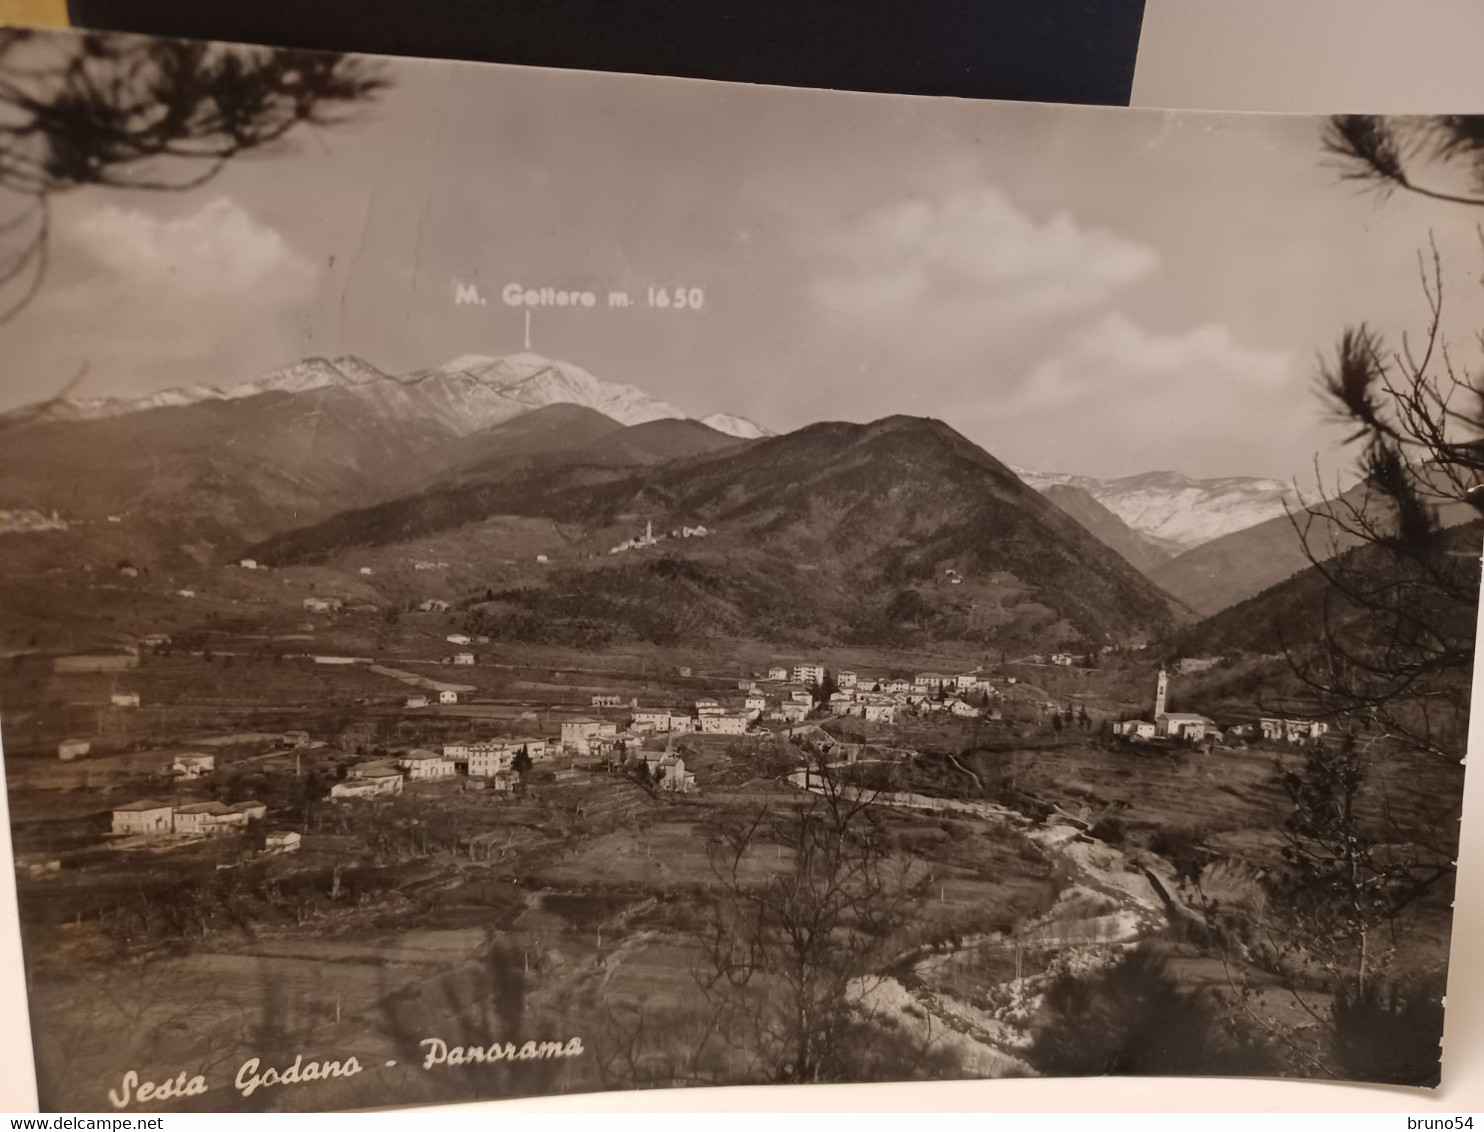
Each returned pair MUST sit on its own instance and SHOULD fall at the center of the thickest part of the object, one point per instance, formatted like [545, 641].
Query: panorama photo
[519, 582]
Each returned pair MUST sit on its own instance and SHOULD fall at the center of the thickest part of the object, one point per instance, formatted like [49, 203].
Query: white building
[69, 749]
[425, 766]
[448, 697]
[580, 735]
[674, 777]
[458, 639]
[880, 712]
[601, 701]
[650, 719]
[193, 765]
[755, 704]
[845, 679]
[208, 818]
[777, 673]
[287, 841]
[124, 699]
[724, 724]
[368, 780]
[144, 816]
[417, 701]
[463, 658]
[807, 674]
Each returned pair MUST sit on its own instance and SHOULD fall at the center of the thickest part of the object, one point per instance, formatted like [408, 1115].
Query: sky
[1085, 290]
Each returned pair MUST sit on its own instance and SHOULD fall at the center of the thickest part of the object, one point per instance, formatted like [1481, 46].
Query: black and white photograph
[519, 581]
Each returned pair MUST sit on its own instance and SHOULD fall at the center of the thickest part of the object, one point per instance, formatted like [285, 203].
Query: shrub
[1133, 1019]
[1184, 849]
[1389, 1033]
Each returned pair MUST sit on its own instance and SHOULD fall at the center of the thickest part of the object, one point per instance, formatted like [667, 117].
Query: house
[295, 739]
[963, 709]
[777, 673]
[865, 684]
[706, 703]
[251, 810]
[793, 711]
[69, 749]
[417, 701]
[458, 639]
[840, 701]
[504, 782]
[193, 765]
[155, 640]
[1065, 659]
[807, 674]
[124, 699]
[209, 818]
[248, 563]
[650, 719]
[1292, 730]
[448, 697]
[578, 735]
[601, 701]
[880, 713]
[185, 593]
[425, 766]
[724, 724]
[966, 681]
[674, 777]
[895, 685]
[366, 570]
[463, 658]
[802, 696]
[542, 558]
[845, 679]
[1140, 729]
[316, 605]
[144, 816]
[930, 681]
[287, 841]
[434, 605]
[755, 704]
[368, 780]
[1182, 725]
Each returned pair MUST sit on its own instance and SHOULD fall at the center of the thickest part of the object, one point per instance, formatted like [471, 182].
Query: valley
[338, 734]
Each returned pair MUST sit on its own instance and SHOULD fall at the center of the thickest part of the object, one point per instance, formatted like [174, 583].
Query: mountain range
[834, 531]
[202, 471]
[463, 395]
[1175, 512]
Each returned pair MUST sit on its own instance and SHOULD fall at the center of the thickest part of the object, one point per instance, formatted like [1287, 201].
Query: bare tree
[136, 113]
[809, 910]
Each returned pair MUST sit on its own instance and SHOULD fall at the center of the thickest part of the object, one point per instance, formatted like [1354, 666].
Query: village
[614, 735]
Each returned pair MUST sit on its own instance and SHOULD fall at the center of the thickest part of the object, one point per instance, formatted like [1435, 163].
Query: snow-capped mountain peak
[465, 394]
[1177, 511]
[739, 427]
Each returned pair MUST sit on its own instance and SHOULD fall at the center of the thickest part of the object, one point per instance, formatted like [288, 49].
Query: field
[586, 905]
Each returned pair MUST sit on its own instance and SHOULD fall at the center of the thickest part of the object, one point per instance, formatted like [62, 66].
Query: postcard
[517, 582]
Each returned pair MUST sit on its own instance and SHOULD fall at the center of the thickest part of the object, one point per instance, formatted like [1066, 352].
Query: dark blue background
[1032, 50]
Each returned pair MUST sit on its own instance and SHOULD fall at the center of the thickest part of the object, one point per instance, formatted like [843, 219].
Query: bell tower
[1161, 691]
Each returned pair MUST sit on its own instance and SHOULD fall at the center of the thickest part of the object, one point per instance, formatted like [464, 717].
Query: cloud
[1198, 401]
[970, 252]
[208, 295]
